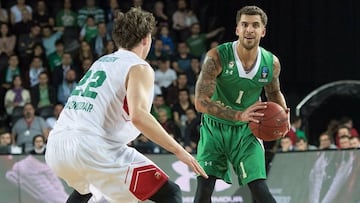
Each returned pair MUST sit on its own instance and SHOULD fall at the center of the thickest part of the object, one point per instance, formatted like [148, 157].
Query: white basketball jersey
[98, 104]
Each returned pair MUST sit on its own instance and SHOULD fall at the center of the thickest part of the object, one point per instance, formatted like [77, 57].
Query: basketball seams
[270, 125]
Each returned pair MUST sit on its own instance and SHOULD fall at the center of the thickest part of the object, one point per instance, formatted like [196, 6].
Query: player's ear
[236, 31]
[146, 40]
[263, 32]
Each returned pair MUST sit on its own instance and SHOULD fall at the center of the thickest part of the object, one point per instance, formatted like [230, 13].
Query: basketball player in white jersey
[108, 109]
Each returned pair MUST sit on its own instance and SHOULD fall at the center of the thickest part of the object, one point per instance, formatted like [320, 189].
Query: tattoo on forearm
[219, 110]
[205, 88]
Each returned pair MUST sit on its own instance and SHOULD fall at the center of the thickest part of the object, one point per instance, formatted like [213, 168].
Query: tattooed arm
[205, 87]
[272, 90]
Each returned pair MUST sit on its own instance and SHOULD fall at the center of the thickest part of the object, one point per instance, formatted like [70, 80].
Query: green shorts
[222, 145]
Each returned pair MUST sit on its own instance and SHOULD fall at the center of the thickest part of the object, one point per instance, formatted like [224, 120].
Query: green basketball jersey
[235, 88]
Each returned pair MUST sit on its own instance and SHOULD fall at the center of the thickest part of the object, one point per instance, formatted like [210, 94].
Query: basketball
[273, 124]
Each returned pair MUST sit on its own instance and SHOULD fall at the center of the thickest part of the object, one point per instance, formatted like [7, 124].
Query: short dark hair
[252, 10]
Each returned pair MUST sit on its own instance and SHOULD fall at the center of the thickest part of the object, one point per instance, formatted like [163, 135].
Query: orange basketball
[273, 124]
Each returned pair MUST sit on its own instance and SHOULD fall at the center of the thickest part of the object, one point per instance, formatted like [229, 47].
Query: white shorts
[119, 172]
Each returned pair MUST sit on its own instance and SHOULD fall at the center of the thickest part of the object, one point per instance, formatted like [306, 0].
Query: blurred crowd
[46, 47]
[338, 134]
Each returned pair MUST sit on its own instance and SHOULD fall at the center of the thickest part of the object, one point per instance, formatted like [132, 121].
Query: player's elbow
[137, 114]
[199, 105]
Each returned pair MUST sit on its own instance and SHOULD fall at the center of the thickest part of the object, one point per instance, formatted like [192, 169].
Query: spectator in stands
[301, 144]
[344, 142]
[172, 95]
[341, 131]
[28, 127]
[180, 20]
[8, 73]
[192, 130]
[67, 86]
[4, 15]
[156, 53]
[165, 75]
[26, 43]
[326, 142]
[159, 13]
[113, 6]
[180, 107]
[85, 66]
[194, 72]
[43, 94]
[198, 41]
[90, 9]
[169, 125]
[99, 42]
[89, 31]
[355, 142]
[295, 131]
[332, 127]
[181, 61]
[16, 11]
[66, 17]
[348, 122]
[286, 144]
[58, 75]
[42, 16]
[84, 52]
[110, 47]
[5, 139]
[214, 44]
[55, 58]
[167, 39]
[49, 37]
[16, 96]
[5, 143]
[39, 146]
[52, 119]
[159, 103]
[39, 51]
[36, 67]
[24, 25]
[7, 41]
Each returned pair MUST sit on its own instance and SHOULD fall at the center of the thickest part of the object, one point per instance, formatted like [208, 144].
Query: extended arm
[139, 85]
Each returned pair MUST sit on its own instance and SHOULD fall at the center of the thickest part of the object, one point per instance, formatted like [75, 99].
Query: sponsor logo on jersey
[229, 70]
[264, 74]
[231, 64]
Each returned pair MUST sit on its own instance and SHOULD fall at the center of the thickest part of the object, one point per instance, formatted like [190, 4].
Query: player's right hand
[189, 160]
[250, 114]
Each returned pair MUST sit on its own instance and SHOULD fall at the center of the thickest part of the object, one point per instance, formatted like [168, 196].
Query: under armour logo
[229, 72]
[186, 175]
[208, 163]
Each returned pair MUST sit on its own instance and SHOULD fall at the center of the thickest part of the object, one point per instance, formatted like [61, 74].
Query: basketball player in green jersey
[227, 93]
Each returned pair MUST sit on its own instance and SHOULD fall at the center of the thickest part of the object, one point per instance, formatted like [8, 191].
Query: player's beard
[249, 44]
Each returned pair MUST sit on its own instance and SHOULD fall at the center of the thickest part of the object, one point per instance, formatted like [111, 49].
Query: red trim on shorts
[146, 181]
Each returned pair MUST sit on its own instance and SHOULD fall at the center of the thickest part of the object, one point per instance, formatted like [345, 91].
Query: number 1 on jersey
[238, 100]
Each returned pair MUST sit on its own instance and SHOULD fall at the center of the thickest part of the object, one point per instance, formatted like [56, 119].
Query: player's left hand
[189, 160]
[289, 124]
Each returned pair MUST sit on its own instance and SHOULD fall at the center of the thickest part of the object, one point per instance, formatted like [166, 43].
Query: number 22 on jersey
[88, 84]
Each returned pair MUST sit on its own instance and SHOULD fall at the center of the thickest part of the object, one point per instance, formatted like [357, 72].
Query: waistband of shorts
[214, 119]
